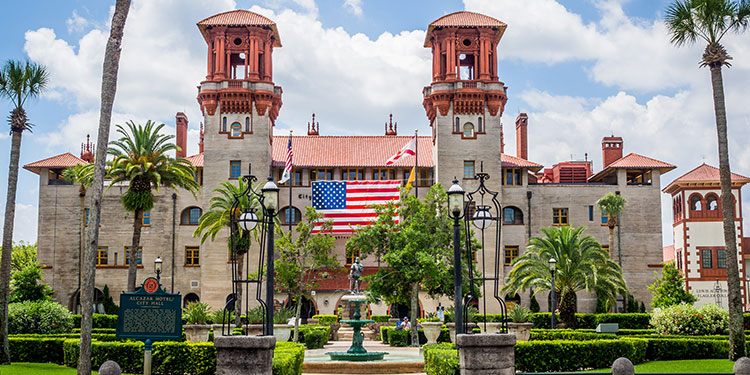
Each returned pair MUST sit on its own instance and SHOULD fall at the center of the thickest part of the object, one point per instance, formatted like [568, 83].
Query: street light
[552, 269]
[455, 206]
[482, 217]
[248, 220]
[270, 202]
[157, 268]
[747, 289]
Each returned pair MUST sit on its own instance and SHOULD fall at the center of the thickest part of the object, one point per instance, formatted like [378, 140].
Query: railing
[468, 85]
[235, 84]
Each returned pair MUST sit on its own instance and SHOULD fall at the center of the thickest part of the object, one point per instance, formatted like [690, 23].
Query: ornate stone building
[240, 102]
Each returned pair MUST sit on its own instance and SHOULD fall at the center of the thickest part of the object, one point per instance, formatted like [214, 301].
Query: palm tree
[140, 158]
[83, 176]
[582, 264]
[612, 205]
[218, 217]
[109, 88]
[709, 20]
[18, 82]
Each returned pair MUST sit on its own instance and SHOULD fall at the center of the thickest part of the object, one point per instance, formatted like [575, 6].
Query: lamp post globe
[157, 267]
[455, 199]
[553, 304]
[270, 195]
[248, 220]
[482, 217]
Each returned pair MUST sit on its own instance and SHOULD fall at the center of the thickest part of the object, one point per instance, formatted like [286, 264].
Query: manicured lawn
[687, 366]
[25, 368]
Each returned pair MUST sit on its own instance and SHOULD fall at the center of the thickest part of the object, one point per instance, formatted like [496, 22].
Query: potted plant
[281, 328]
[255, 317]
[196, 314]
[220, 318]
[451, 325]
[432, 326]
[518, 325]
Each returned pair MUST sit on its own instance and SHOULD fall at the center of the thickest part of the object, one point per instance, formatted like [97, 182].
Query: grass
[25, 368]
[695, 366]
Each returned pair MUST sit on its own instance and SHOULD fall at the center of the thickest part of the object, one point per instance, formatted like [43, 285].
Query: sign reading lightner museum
[150, 313]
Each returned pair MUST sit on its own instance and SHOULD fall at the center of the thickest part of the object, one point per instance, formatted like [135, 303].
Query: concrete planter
[432, 331]
[217, 329]
[521, 330]
[254, 329]
[197, 332]
[490, 327]
[282, 332]
[313, 320]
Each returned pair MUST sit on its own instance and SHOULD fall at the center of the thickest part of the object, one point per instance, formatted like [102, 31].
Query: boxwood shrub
[590, 321]
[288, 358]
[441, 359]
[380, 318]
[326, 319]
[315, 339]
[305, 328]
[38, 317]
[568, 334]
[98, 321]
[36, 349]
[556, 355]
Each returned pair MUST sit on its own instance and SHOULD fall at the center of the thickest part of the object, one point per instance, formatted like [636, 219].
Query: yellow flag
[410, 182]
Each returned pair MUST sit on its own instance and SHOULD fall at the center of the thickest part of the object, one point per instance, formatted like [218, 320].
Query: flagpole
[291, 183]
[416, 164]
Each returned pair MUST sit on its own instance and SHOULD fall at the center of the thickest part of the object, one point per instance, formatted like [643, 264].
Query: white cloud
[25, 223]
[354, 6]
[76, 23]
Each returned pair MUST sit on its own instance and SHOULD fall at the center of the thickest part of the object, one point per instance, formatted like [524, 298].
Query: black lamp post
[552, 270]
[455, 206]
[157, 269]
[270, 194]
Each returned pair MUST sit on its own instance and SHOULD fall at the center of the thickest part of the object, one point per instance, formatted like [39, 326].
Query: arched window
[247, 125]
[468, 130]
[224, 124]
[191, 216]
[512, 300]
[294, 215]
[695, 202]
[236, 129]
[480, 126]
[190, 297]
[512, 215]
[712, 203]
[457, 127]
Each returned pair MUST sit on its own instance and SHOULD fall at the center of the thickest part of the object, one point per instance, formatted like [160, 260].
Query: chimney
[522, 142]
[390, 127]
[182, 125]
[87, 150]
[200, 144]
[611, 150]
[312, 129]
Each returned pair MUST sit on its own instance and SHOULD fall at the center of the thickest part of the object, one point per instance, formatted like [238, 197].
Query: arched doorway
[308, 308]
[400, 310]
[190, 297]
[512, 300]
[98, 302]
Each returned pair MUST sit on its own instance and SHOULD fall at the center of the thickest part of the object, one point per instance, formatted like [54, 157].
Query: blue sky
[581, 69]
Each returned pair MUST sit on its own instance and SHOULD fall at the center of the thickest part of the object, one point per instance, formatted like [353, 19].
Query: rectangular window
[560, 216]
[192, 256]
[295, 177]
[424, 177]
[102, 256]
[198, 176]
[86, 214]
[321, 174]
[707, 258]
[381, 174]
[352, 174]
[140, 255]
[146, 219]
[351, 257]
[195, 216]
[591, 213]
[679, 260]
[511, 176]
[511, 253]
[235, 169]
[605, 218]
[721, 258]
[469, 169]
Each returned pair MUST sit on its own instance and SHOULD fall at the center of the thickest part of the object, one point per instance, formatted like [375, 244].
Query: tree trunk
[81, 235]
[611, 239]
[109, 87]
[238, 301]
[133, 263]
[736, 330]
[296, 317]
[568, 310]
[414, 314]
[10, 213]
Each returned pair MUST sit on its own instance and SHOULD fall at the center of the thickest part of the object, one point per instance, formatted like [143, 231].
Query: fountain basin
[356, 357]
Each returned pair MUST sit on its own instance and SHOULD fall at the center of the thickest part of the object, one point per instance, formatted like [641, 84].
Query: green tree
[305, 260]
[19, 81]
[23, 255]
[688, 21]
[668, 289]
[27, 281]
[140, 158]
[81, 175]
[417, 251]
[612, 205]
[219, 217]
[582, 264]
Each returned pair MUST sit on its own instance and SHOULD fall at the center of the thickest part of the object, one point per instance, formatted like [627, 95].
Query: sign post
[149, 314]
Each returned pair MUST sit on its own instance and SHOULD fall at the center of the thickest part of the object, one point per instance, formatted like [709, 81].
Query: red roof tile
[464, 19]
[633, 160]
[196, 160]
[240, 17]
[349, 151]
[703, 175]
[60, 161]
[667, 253]
[509, 161]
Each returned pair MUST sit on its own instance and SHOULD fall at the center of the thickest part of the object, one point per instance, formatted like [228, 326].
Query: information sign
[150, 314]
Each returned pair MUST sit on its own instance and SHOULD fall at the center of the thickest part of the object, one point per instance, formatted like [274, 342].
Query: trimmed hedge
[380, 318]
[326, 319]
[590, 321]
[177, 358]
[315, 339]
[568, 334]
[288, 358]
[441, 359]
[99, 321]
[563, 355]
[305, 328]
[36, 349]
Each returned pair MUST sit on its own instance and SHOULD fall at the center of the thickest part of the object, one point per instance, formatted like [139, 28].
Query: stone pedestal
[237, 355]
[486, 354]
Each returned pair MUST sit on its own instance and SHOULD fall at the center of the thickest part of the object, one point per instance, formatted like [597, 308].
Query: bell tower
[465, 100]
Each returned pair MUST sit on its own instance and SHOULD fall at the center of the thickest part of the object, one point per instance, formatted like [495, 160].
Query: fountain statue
[356, 351]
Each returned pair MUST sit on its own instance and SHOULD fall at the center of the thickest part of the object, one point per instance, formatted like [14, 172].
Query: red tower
[87, 150]
[181, 122]
[611, 150]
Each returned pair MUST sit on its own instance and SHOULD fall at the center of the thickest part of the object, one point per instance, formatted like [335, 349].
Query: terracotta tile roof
[703, 175]
[633, 160]
[240, 17]
[60, 161]
[667, 253]
[465, 19]
[196, 160]
[349, 151]
[512, 161]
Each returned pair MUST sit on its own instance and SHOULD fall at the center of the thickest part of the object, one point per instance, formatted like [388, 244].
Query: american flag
[350, 203]
[288, 165]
